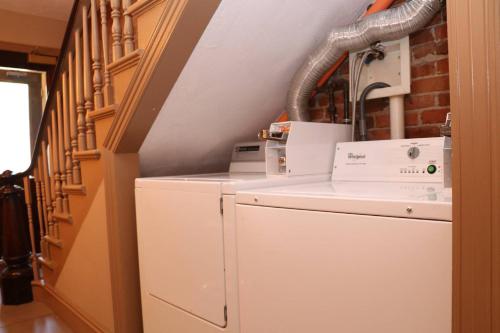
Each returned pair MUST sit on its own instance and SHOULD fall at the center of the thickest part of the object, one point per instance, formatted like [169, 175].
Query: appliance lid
[409, 200]
[230, 182]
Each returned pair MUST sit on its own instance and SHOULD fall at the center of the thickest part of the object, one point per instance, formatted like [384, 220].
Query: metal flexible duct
[388, 25]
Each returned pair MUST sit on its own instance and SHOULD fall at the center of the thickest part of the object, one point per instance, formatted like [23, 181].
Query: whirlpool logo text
[353, 156]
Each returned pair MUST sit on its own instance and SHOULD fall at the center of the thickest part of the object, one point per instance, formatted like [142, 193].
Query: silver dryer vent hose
[384, 26]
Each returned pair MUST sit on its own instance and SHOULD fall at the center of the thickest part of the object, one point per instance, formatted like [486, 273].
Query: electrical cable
[357, 76]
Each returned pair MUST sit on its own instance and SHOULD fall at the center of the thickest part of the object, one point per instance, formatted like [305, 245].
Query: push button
[431, 169]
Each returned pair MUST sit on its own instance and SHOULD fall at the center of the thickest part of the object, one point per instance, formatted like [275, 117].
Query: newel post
[16, 278]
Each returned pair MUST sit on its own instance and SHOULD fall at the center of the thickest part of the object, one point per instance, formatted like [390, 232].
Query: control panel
[249, 157]
[408, 160]
[296, 148]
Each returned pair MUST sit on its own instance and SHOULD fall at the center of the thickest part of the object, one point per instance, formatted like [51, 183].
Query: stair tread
[53, 241]
[103, 113]
[87, 155]
[74, 189]
[63, 217]
[125, 62]
[47, 262]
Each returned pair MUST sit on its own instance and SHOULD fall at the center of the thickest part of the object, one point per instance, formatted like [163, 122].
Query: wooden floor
[30, 318]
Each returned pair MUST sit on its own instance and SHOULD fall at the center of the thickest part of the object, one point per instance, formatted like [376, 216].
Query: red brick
[423, 70]
[379, 134]
[422, 132]
[443, 66]
[441, 31]
[421, 37]
[411, 118]
[437, 116]
[442, 48]
[413, 102]
[424, 50]
[340, 116]
[339, 97]
[382, 121]
[438, 18]
[344, 68]
[322, 100]
[376, 105]
[319, 114]
[444, 99]
[370, 122]
[440, 83]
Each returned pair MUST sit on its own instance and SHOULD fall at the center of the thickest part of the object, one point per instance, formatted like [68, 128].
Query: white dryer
[185, 225]
[369, 251]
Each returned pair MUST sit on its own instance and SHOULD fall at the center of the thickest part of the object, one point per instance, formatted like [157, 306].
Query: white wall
[235, 82]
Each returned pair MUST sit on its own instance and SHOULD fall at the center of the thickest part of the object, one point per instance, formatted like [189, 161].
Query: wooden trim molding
[474, 38]
[142, 6]
[180, 27]
[67, 312]
[126, 62]
[119, 180]
[103, 113]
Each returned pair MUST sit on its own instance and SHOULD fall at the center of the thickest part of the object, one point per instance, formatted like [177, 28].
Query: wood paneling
[475, 91]
[179, 28]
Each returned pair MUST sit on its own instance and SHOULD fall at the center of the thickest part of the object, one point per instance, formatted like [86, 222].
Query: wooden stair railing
[111, 60]
[99, 34]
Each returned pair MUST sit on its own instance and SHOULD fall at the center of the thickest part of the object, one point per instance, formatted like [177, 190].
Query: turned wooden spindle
[76, 172]
[116, 29]
[39, 204]
[128, 28]
[67, 138]
[47, 197]
[80, 106]
[108, 92]
[56, 174]
[56, 186]
[60, 152]
[87, 82]
[96, 56]
[29, 209]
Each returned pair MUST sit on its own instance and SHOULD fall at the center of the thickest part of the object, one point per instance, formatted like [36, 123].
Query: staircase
[104, 44]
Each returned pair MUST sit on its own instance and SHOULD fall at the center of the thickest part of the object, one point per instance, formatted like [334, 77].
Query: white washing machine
[369, 251]
[185, 225]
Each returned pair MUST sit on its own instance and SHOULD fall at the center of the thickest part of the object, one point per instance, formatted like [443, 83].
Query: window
[21, 96]
[15, 149]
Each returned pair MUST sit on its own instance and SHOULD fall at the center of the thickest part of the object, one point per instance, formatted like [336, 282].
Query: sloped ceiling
[236, 80]
[53, 9]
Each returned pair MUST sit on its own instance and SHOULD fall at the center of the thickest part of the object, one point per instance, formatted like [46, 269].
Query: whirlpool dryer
[186, 224]
[369, 251]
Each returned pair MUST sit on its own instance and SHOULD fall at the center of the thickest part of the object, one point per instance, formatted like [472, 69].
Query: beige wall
[85, 278]
[21, 29]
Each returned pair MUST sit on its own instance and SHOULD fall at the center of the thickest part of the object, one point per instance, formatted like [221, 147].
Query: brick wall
[429, 101]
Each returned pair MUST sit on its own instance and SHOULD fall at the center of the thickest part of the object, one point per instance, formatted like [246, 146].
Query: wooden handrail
[50, 100]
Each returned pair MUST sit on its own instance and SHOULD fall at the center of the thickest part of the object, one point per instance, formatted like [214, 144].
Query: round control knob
[413, 152]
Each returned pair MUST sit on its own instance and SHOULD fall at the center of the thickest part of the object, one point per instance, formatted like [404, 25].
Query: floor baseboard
[78, 322]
